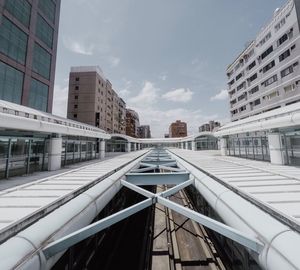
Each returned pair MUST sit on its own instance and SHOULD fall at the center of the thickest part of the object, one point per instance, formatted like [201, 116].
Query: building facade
[119, 114]
[93, 101]
[210, 126]
[266, 75]
[132, 123]
[144, 131]
[28, 34]
[178, 129]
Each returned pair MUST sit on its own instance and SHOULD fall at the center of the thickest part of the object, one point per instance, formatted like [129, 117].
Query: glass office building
[28, 44]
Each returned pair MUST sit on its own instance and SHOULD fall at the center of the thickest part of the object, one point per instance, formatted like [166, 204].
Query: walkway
[274, 188]
[23, 205]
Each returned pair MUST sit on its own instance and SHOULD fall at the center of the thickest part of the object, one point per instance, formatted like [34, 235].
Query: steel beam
[231, 233]
[79, 235]
[137, 189]
[144, 179]
[172, 169]
[175, 189]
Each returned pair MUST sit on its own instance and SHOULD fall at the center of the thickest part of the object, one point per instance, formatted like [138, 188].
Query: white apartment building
[266, 75]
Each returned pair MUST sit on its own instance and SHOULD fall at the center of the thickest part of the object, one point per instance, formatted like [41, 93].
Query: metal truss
[167, 176]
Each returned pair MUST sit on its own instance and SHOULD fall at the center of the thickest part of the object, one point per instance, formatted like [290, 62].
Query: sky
[166, 58]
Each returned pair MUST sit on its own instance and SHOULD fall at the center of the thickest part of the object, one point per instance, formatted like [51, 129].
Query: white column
[275, 147]
[181, 145]
[193, 145]
[54, 155]
[134, 146]
[128, 147]
[138, 146]
[223, 146]
[102, 149]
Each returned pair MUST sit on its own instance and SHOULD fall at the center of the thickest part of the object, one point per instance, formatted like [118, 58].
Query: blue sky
[166, 58]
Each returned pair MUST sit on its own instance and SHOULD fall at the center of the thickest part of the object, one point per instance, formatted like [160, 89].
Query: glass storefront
[249, 147]
[20, 156]
[206, 143]
[74, 151]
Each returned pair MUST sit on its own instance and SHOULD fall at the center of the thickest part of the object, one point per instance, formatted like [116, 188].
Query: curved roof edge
[288, 116]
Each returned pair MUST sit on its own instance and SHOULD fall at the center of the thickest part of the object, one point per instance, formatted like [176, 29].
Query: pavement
[24, 179]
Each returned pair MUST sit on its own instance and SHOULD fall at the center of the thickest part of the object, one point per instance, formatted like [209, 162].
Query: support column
[102, 149]
[54, 155]
[181, 145]
[275, 148]
[134, 146]
[128, 147]
[193, 145]
[223, 146]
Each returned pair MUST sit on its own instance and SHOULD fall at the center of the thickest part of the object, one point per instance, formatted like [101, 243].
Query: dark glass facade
[41, 61]
[13, 41]
[28, 45]
[11, 83]
[20, 9]
[44, 31]
[38, 95]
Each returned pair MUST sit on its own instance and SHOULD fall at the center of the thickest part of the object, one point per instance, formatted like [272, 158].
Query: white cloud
[147, 96]
[60, 100]
[78, 47]
[124, 93]
[163, 77]
[179, 95]
[222, 95]
[114, 61]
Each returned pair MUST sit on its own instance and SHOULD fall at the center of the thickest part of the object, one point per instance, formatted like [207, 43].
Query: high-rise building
[132, 123]
[266, 74]
[210, 126]
[92, 100]
[144, 131]
[28, 43]
[178, 129]
[119, 114]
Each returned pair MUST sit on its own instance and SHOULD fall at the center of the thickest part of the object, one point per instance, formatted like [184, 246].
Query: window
[11, 83]
[231, 82]
[266, 52]
[20, 9]
[48, 9]
[289, 88]
[254, 90]
[76, 87]
[38, 95]
[282, 39]
[243, 108]
[253, 77]
[256, 102]
[238, 76]
[280, 24]
[270, 80]
[284, 55]
[251, 65]
[75, 97]
[41, 61]
[271, 95]
[77, 79]
[287, 71]
[268, 66]
[75, 106]
[265, 39]
[75, 115]
[241, 86]
[44, 31]
[13, 41]
[293, 47]
[241, 97]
